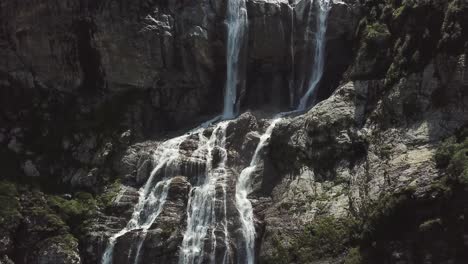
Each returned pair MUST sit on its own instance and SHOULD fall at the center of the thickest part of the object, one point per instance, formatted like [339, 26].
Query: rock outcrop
[365, 163]
[374, 173]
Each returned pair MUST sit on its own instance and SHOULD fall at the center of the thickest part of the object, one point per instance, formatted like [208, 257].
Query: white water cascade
[244, 206]
[206, 238]
[245, 181]
[237, 28]
[324, 7]
[152, 196]
[204, 223]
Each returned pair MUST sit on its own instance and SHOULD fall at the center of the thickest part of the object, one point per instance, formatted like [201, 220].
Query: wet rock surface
[89, 91]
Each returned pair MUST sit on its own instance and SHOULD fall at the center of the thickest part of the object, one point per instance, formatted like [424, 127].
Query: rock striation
[374, 173]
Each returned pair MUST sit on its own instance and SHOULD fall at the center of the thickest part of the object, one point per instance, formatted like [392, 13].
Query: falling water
[203, 221]
[324, 7]
[237, 28]
[152, 196]
[293, 68]
[207, 222]
[243, 189]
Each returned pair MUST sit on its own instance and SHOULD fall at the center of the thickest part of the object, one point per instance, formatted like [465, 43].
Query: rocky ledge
[374, 173]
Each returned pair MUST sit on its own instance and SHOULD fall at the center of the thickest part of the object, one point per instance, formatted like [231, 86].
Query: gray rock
[5, 260]
[30, 169]
[14, 145]
[57, 251]
[125, 137]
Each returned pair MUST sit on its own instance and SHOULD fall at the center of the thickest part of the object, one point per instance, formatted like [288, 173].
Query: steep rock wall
[83, 88]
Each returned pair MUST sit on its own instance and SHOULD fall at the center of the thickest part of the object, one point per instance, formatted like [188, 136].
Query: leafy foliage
[353, 257]
[9, 204]
[106, 198]
[75, 210]
[376, 33]
[452, 155]
[324, 237]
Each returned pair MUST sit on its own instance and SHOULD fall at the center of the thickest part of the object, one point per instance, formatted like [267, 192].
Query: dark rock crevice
[88, 56]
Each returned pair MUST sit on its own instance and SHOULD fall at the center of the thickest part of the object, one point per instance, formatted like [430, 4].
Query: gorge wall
[375, 173]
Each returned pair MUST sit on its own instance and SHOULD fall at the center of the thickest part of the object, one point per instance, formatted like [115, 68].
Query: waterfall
[206, 238]
[201, 208]
[245, 181]
[152, 196]
[293, 68]
[324, 7]
[243, 189]
[204, 222]
[237, 28]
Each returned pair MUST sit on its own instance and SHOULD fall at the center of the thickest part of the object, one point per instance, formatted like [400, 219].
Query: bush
[453, 156]
[353, 257]
[458, 166]
[325, 237]
[75, 210]
[376, 34]
[8, 189]
[105, 200]
[45, 220]
[9, 204]
[445, 152]
[281, 254]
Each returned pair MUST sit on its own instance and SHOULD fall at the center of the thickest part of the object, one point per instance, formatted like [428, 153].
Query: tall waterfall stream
[316, 74]
[207, 227]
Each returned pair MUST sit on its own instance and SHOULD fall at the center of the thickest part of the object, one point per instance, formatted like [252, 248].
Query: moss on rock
[375, 34]
[75, 210]
[107, 197]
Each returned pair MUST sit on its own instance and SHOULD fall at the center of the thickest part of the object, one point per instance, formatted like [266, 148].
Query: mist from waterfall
[152, 196]
[316, 74]
[237, 23]
[204, 223]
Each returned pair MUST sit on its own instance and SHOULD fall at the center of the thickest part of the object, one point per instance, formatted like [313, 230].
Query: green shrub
[324, 237]
[8, 189]
[281, 253]
[9, 204]
[353, 257]
[453, 156]
[376, 33]
[105, 200]
[458, 166]
[445, 152]
[75, 210]
[45, 220]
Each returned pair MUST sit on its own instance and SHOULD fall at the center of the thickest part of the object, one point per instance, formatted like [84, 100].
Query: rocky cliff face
[375, 173]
